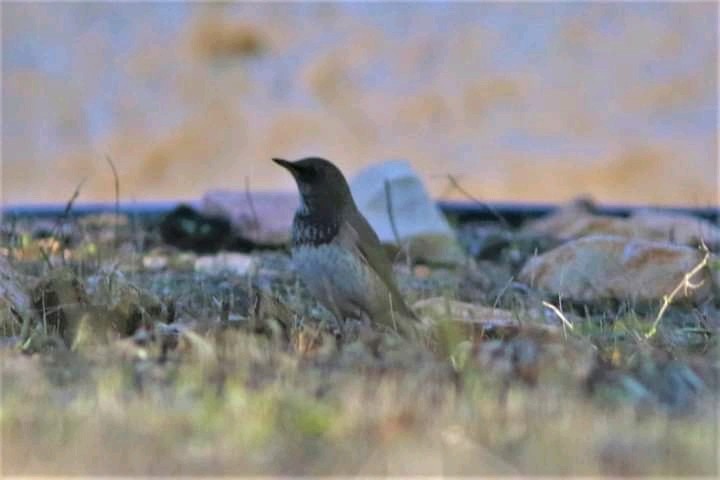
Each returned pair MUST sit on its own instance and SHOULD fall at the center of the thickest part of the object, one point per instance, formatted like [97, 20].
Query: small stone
[154, 263]
[236, 263]
[422, 271]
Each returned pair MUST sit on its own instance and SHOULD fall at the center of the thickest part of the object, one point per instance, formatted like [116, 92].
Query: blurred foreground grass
[265, 410]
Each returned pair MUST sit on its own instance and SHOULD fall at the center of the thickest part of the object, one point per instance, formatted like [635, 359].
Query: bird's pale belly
[340, 281]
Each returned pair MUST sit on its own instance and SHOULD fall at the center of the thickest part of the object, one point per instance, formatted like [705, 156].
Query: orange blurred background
[519, 101]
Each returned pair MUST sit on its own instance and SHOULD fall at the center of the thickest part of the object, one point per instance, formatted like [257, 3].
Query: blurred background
[527, 102]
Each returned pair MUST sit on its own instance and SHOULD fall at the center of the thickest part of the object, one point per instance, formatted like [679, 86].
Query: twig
[25, 328]
[71, 201]
[45, 256]
[684, 285]
[392, 310]
[60, 220]
[455, 184]
[256, 223]
[135, 232]
[393, 226]
[116, 179]
[391, 216]
[560, 315]
[13, 239]
[502, 292]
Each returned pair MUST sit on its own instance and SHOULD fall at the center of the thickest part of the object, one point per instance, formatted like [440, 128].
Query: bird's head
[321, 184]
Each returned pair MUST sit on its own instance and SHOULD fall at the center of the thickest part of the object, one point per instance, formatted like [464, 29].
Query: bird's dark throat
[315, 227]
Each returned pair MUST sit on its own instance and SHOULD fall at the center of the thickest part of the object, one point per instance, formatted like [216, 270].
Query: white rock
[236, 263]
[417, 218]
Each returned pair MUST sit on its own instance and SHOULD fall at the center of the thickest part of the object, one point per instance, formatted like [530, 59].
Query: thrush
[338, 255]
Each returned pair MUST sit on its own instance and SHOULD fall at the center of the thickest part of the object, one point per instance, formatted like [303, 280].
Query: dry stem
[685, 285]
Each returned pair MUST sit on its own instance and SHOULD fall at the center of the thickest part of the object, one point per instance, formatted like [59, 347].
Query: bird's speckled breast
[308, 230]
[341, 281]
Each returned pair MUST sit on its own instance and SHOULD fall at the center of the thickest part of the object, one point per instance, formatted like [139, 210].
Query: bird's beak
[286, 164]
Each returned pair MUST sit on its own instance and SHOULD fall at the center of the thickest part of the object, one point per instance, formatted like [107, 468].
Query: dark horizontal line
[513, 213]
[516, 213]
[50, 210]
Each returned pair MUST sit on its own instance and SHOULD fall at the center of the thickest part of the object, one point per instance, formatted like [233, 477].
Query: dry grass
[265, 410]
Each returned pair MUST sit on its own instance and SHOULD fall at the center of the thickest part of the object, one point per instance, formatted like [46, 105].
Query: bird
[338, 255]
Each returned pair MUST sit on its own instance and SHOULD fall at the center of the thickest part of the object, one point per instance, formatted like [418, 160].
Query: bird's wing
[353, 235]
